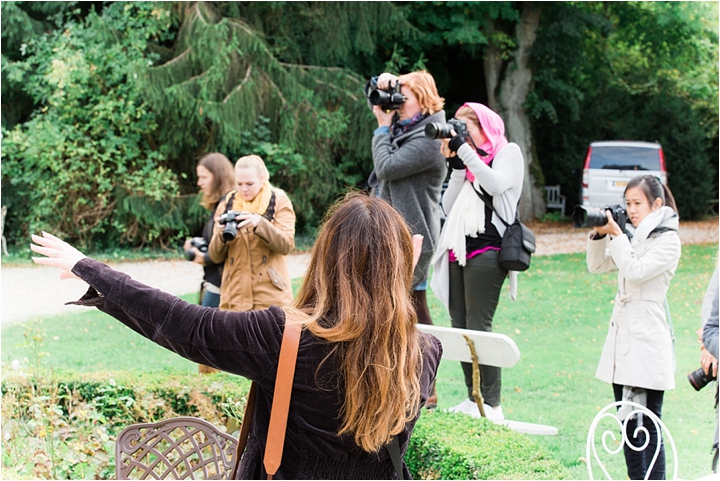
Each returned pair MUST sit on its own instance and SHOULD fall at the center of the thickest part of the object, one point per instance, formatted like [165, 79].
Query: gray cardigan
[409, 172]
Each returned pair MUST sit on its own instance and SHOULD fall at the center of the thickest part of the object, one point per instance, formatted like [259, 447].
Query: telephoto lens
[588, 216]
[438, 130]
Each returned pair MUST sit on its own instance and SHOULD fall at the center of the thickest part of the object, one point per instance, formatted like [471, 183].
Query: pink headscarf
[494, 129]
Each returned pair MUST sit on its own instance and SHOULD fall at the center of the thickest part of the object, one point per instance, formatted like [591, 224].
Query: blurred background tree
[107, 105]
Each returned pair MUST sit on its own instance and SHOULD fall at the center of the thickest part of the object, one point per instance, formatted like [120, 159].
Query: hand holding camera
[384, 92]
[233, 221]
[612, 219]
[193, 247]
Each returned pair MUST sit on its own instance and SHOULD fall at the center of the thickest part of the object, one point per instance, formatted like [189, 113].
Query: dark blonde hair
[256, 163]
[223, 178]
[423, 86]
[357, 292]
[469, 114]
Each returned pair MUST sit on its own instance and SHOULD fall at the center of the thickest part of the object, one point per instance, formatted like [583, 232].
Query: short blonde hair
[423, 86]
[256, 163]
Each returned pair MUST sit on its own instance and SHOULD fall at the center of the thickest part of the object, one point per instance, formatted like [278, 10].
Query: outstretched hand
[58, 254]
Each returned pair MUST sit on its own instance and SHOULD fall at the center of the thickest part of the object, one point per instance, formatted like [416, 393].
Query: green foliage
[629, 70]
[105, 113]
[64, 427]
[241, 78]
[22, 22]
[82, 167]
[475, 449]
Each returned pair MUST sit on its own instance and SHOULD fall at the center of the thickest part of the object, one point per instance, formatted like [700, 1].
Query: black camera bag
[518, 242]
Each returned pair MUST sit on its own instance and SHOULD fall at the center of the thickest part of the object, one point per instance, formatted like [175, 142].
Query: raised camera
[200, 244]
[230, 221]
[390, 99]
[583, 216]
[440, 130]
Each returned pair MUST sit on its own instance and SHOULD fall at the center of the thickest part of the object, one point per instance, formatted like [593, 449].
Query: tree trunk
[514, 89]
[492, 67]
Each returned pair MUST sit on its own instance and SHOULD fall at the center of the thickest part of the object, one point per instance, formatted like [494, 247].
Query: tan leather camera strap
[280, 405]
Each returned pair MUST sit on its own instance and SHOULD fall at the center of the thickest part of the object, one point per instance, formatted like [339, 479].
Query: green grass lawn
[559, 323]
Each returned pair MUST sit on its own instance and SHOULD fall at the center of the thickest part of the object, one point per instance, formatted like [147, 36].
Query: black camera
[583, 216]
[439, 130]
[698, 379]
[200, 244]
[390, 99]
[230, 221]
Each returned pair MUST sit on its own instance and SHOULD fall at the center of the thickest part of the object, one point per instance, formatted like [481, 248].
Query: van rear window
[625, 158]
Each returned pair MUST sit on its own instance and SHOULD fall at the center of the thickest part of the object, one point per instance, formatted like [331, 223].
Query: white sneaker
[494, 414]
[466, 407]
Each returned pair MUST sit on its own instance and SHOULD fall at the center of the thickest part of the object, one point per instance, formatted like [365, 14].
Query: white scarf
[662, 217]
[466, 218]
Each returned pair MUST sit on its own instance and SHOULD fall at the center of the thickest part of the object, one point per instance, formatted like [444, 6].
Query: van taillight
[662, 161]
[587, 158]
[585, 178]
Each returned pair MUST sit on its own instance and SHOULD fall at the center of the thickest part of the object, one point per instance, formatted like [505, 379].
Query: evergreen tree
[226, 85]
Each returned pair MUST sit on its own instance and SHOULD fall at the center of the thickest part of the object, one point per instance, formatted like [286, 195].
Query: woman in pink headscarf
[467, 277]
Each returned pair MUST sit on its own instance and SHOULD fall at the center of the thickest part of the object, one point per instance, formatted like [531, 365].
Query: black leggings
[637, 462]
[474, 293]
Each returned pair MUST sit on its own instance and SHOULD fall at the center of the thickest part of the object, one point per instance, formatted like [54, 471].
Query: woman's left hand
[58, 254]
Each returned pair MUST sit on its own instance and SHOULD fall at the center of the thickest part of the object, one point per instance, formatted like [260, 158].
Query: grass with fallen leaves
[559, 323]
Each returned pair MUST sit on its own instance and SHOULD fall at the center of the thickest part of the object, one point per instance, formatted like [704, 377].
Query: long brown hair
[223, 178]
[357, 291]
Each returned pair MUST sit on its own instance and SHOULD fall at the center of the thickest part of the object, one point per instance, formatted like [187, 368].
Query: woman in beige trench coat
[637, 358]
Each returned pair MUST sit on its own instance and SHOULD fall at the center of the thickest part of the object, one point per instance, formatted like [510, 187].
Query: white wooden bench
[487, 348]
[553, 198]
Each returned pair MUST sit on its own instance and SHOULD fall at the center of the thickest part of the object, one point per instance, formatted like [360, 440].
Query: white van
[609, 165]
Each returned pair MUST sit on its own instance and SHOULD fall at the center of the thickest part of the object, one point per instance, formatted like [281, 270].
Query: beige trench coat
[256, 274]
[638, 350]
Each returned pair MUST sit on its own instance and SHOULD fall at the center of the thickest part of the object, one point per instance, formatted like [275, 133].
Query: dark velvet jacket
[248, 344]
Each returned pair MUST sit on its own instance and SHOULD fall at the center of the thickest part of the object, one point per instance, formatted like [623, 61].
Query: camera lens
[229, 232]
[379, 97]
[698, 379]
[588, 216]
[190, 255]
[438, 130]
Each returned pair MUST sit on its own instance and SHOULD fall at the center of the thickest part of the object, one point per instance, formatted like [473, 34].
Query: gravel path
[34, 292]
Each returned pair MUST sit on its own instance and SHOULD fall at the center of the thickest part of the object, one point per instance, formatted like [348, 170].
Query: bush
[84, 166]
[450, 446]
[65, 427]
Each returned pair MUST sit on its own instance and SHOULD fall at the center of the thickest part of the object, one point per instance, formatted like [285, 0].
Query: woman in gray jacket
[637, 358]
[409, 169]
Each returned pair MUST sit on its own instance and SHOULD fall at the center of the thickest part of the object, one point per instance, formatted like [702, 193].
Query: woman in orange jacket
[256, 275]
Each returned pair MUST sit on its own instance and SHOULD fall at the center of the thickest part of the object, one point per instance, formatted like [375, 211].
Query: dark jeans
[474, 293]
[638, 461]
[210, 299]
